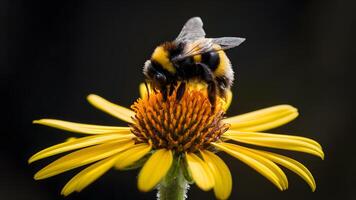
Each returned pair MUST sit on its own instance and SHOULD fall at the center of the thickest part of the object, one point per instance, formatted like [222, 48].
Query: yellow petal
[88, 176]
[271, 135]
[200, 172]
[71, 139]
[79, 143]
[262, 165]
[228, 100]
[263, 119]
[291, 164]
[81, 128]
[132, 155]
[82, 157]
[143, 90]
[155, 168]
[288, 143]
[221, 173]
[120, 112]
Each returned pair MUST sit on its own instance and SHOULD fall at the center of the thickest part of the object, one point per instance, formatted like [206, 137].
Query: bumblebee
[191, 56]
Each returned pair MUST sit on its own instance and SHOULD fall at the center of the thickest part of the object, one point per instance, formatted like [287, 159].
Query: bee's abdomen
[211, 59]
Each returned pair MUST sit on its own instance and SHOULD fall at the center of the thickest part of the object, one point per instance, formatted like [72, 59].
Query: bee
[191, 56]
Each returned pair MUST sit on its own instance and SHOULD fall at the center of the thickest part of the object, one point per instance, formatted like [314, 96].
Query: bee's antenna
[148, 91]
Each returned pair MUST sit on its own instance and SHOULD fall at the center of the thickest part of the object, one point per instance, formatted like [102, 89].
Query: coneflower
[175, 143]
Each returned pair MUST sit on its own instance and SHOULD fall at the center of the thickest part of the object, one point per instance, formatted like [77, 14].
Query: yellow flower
[172, 138]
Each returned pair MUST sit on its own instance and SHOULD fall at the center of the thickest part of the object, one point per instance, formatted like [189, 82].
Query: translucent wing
[204, 45]
[193, 36]
[191, 31]
[228, 42]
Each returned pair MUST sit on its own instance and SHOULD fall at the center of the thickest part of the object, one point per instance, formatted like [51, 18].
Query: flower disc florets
[187, 125]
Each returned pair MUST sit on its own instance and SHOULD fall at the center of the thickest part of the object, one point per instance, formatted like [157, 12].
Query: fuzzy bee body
[191, 56]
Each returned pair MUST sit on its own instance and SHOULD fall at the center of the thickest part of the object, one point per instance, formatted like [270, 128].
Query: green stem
[173, 186]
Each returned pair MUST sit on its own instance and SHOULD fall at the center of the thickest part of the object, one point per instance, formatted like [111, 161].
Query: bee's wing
[228, 42]
[195, 47]
[191, 31]
[198, 47]
[204, 45]
[193, 35]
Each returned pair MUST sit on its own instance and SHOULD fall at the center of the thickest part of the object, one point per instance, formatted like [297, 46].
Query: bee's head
[154, 74]
[159, 70]
[148, 70]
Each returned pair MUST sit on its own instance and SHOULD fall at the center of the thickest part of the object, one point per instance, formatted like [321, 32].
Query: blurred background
[53, 54]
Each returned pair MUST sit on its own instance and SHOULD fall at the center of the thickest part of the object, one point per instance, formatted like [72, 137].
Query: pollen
[186, 125]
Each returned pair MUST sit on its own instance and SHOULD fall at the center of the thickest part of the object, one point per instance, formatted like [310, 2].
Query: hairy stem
[173, 186]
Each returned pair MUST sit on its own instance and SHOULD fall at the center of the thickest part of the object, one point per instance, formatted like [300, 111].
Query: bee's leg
[208, 77]
[222, 86]
[148, 90]
[162, 82]
[212, 94]
[180, 91]
[164, 91]
[172, 87]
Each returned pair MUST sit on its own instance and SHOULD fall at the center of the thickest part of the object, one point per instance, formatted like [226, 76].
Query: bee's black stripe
[157, 67]
[211, 59]
[175, 50]
[186, 68]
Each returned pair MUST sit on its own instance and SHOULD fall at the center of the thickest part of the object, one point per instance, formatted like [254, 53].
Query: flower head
[166, 135]
[187, 125]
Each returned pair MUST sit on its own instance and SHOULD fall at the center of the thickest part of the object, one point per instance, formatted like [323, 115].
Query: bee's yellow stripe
[162, 57]
[224, 63]
[197, 58]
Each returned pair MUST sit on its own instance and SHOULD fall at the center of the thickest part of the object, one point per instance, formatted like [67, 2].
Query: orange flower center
[186, 125]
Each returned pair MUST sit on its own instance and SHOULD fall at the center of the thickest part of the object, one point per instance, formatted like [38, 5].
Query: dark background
[54, 54]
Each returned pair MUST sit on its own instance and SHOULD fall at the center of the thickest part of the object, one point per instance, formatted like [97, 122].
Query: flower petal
[200, 172]
[82, 157]
[291, 164]
[221, 173]
[155, 168]
[88, 176]
[277, 141]
[143, 90]
[271, 135]
[120, 112]
[81, 128]
[132, 155]
[262, 165]
[263, 119]
[79, 143]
